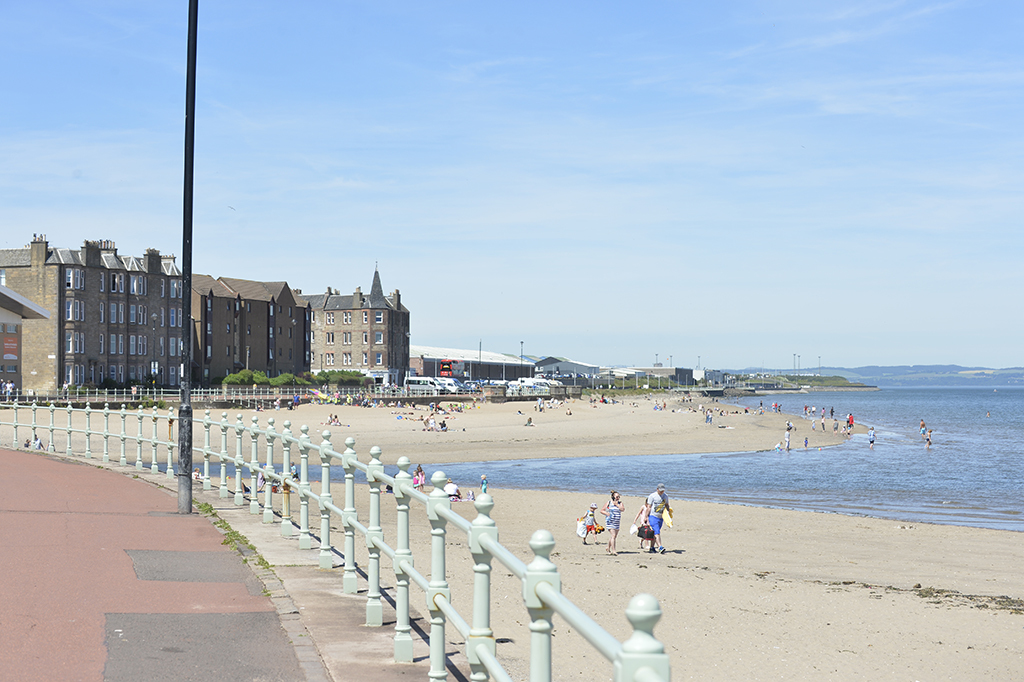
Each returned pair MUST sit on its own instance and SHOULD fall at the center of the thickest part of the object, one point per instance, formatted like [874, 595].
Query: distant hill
[922, 375]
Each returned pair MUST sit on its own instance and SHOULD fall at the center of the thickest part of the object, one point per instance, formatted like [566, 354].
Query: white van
[424, 386]
[453, 386]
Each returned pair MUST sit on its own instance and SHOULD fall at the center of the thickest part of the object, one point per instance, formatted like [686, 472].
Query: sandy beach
[579, 428]
[747, 593]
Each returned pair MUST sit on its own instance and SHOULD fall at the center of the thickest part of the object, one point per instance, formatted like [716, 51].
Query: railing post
[49, 446]
[254, 465]
[170, 443]
[15, 444]
[349, 582]
[35, 406]
[67, 450]
[642, 649]
[268, 486]
[124, 435]
[540, 570]
[438, 586]
[138, 442]
[374, 533]
[287, 527]
[326, 553]
[480, 633]
[223, 454]
[88, 431]
[403, 555]
[206, 451]
[106, 432]
[239, 461]
[155, 464]
[304, 540]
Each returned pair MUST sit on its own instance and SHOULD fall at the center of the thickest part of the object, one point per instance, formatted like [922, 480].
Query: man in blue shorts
[657, 503]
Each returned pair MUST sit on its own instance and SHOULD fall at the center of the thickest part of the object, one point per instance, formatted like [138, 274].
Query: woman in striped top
[613, 509]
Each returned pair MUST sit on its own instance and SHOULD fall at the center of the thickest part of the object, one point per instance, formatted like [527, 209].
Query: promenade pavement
[104, 580]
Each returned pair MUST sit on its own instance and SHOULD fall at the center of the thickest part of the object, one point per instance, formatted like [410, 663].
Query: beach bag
[581, 527]
[645, 532]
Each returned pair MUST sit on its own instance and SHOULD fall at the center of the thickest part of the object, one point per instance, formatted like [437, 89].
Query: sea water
[971, 476]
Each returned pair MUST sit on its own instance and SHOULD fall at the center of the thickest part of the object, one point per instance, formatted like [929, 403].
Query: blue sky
[603, 181]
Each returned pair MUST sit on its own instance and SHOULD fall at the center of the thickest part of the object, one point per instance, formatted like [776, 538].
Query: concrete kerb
[326, 626]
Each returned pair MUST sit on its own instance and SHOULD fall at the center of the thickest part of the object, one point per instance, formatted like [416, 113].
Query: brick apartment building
[244, 324]
[369, 334]
[112, 317]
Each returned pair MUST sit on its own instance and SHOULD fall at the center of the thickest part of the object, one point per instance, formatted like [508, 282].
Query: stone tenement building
[112, 317]
[242, 324]
[369, 334]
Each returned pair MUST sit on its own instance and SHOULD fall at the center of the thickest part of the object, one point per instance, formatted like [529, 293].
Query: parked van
[424, 386]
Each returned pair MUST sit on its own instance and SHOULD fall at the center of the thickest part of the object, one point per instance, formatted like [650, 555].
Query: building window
[366, 358]
[229, 327]
[347, 338]
[329, 340]
[248, 329]
[69, 307]
[161, 346]
[120, 283]
[103, 310]
[120, 348]
[227, 351]
[330, 318]
[131, 314]
[271, 309]
[347, 318]
[103, 281]
[379, 316]
[209, 352]
[173, 317]
[347, 359]
[163, 288]
[131, 345]
[162, 312]
[68, 278]
[378, 337]
[366, 317]
[101, 344]
[120, 313]
[69, 342]
[329, 359]
[366, 338]
[380, 358]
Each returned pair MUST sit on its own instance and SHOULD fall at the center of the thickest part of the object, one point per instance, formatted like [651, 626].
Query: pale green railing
[641, 658]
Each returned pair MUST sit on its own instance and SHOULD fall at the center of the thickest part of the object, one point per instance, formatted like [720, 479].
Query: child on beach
[590, 522]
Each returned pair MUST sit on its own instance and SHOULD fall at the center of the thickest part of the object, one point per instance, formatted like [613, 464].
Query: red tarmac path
[66, 530]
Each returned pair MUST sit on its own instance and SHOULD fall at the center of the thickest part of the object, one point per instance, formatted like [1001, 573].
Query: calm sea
[971, 476]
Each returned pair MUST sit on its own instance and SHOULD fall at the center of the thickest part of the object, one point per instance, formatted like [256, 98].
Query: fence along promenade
[641, 658]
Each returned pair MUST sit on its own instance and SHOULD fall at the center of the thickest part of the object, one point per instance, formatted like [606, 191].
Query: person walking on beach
[928, 440]
[483, 484]
[657, 505]
[923, 429]
[590, 522]
[871, 438]
[787, 440]
[613, 509]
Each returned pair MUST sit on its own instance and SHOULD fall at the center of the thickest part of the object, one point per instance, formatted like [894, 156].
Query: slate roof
[375, 300]
[11, 258]
[205, 284]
